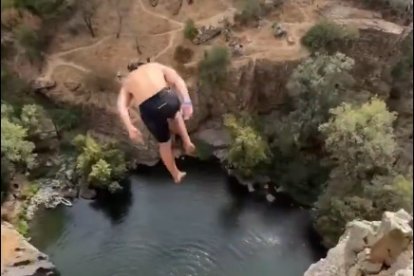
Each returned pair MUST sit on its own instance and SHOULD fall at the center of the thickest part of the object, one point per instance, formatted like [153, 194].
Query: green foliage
[190, 30]
[31, 118]
[12, 86]
[213, 68]
[333, 213]
[326, 35]
[65, 118]
[30, 190]
[317, 85]
[363, 185]
[99, 164]
[23, 227]
[249, 149]
[32, 43]
[360, 138]
[41, 8]
[250, 11]
[14, 145]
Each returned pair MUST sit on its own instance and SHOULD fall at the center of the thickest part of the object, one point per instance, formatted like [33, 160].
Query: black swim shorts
[156, 110]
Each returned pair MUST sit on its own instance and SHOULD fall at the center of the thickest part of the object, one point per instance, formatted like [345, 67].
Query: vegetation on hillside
[190, 30]
[251, 10]
[363, 184]
[213, 68]
[101, 165]
[248, 149]
[326, 36]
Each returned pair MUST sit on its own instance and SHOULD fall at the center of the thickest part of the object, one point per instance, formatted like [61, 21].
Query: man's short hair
[134, 65]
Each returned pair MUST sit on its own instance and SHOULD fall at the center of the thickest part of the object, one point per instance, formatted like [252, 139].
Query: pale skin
[142, 84]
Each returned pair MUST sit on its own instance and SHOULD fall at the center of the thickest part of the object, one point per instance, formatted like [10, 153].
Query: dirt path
[260, 46]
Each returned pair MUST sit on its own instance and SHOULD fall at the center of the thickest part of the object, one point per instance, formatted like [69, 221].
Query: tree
[14, 144]
[363, 184]
[88, 11]
[326, 36]
[248, 149]
[361, 139]
[101, 165]
[316, 85]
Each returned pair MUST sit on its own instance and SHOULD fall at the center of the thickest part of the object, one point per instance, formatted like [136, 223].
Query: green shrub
[190, 30]
[23, 227]
[250, 11]
[327, 35]
[65, 118]
[42, 8]
[14, 145]
[318, 84]
[361, 139]
[213, 68]
[101, 165]
[32, 43]
[363, 184]
[248, 149]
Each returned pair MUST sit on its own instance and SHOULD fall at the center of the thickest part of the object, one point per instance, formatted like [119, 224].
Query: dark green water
[202, 227]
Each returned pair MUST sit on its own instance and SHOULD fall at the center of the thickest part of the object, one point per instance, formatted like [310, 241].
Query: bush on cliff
[316, 85]
[248, 149]
[363, 184]
[101, 165]
[328, 35]
[190, 30]
[15, 146]
[213, 68]
[250, 11]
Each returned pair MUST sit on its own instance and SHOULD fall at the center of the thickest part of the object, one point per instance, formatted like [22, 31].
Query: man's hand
[187, 110]
[135, 135]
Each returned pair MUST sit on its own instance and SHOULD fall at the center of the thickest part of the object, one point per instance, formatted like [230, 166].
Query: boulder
[43, 84]
[381, 248]
[206, 33]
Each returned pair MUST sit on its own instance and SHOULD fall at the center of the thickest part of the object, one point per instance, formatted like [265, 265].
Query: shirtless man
[151, 86]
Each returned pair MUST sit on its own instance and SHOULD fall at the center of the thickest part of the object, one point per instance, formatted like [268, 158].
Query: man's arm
[172, 77]
[122, 104]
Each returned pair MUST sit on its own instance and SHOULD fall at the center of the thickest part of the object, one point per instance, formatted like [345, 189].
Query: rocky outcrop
[20, 258]
[381, 248]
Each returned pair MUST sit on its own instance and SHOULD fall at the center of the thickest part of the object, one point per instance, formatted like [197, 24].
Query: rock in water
[380, 248]
[20, 258]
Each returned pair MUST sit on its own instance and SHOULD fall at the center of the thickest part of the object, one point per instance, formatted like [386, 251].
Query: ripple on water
[192, 257]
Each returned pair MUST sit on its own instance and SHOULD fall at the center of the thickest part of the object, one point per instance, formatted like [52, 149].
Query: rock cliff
[20, 258]
[381, 248]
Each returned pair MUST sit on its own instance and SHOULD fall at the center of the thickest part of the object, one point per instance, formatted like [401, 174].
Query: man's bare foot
[179, 177]
[189, 149]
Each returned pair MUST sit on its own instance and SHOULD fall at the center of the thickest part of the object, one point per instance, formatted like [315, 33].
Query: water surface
[157, 228]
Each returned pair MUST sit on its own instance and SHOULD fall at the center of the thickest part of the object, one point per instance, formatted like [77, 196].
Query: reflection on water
[115, 207]
[205, 226]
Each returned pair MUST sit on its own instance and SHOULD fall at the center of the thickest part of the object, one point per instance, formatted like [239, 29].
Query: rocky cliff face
[381, 248]
[20, 258]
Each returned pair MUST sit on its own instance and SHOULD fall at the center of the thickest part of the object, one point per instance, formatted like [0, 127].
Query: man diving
[152, 87]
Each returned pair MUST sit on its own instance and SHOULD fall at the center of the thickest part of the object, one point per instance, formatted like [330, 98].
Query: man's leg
[168, 159]
[178, 125]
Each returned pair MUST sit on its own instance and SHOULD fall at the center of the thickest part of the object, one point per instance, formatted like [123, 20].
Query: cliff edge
[381, 248]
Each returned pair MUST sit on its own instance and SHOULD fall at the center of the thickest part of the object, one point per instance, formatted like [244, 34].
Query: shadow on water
[115, 206]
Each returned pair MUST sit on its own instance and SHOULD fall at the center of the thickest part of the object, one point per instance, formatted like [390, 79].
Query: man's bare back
[152, 87]
[145, 82]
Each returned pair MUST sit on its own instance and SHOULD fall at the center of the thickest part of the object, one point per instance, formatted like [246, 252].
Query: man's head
[134, 65]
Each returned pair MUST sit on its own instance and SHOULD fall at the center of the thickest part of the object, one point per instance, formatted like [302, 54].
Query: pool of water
[204, 226]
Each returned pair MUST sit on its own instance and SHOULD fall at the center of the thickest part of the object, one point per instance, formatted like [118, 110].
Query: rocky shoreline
[20, 258]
